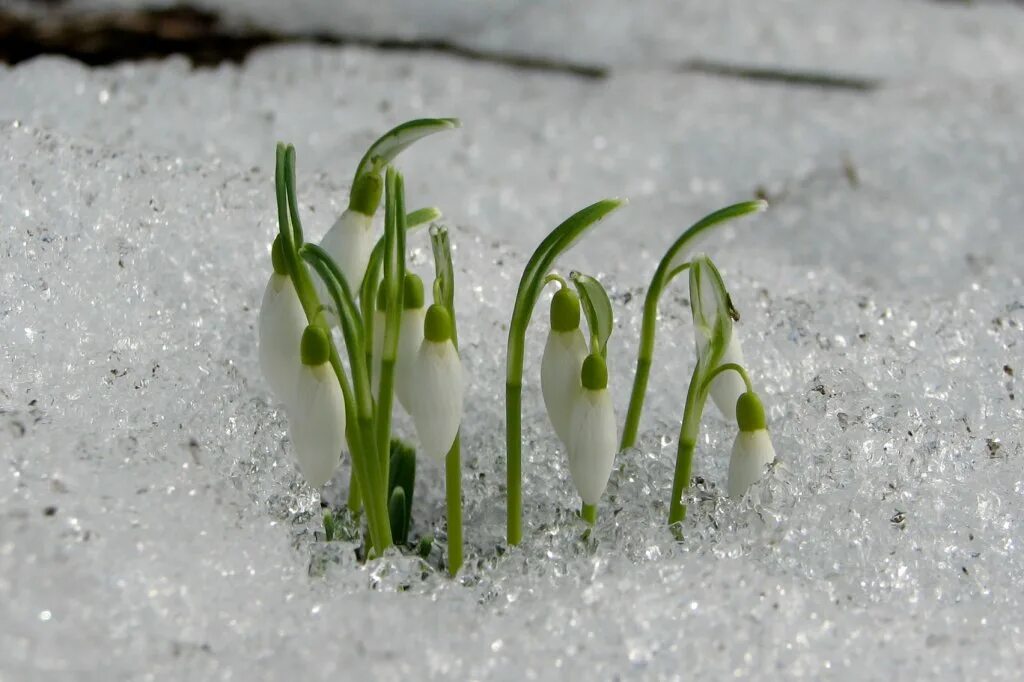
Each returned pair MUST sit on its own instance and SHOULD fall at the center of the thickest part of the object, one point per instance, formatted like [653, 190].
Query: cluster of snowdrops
[352, 294]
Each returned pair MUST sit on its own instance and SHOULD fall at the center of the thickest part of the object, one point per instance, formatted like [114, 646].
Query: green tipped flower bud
[316, 345]
[277, 256]
[750, 413]
[412, 295]
[565, 310]
[595, 373]
[437, 327]
[366, 193]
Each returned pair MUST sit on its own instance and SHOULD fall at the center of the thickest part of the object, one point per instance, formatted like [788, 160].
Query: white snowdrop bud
[562, 361]
[281, 323]
[316, 419]
[436, 385]
[593, 440]
[728, 386]
[351, 239]
[410, 337]
[752, 449]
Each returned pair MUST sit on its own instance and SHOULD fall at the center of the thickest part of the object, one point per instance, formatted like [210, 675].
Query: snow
[153, 524]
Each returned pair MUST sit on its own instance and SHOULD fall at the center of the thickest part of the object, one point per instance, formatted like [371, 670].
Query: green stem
[514, 464]
[728, 367]
[695, 399]
[588, 512]
[636, 402]
[355, 497]
[453, 501]
[394, 283]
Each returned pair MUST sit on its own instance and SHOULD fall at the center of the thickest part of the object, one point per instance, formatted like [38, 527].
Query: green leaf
[711, 308]
[444, 272]
[675, 258]
[598, 309]
[395, 141]
[421, 217]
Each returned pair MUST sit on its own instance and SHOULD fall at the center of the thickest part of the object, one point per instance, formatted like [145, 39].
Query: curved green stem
[692, 411]
[560, 239]
[668, 267]
[727, 367]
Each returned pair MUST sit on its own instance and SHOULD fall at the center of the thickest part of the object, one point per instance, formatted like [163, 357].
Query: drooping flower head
[593, 439]
[716, 341]
[351, 239]
[752, 450]
[317, 416]
[436, 385]
[562, 361]
[281, 324]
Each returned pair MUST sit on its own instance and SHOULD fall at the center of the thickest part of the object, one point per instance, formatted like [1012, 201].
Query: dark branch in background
[812, 79]
[112, 37]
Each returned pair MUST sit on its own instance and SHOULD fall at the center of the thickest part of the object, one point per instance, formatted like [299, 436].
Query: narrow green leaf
[676, 255]
[598, 309]
[392, 143]
[444, 274]
[422, 216]
[710, 306]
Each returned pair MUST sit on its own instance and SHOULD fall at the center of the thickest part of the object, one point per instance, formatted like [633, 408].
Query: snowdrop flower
[727, 387]
[434, 399]
[316, 418]
[752, 449]
[410, 337]
[281, 324]
[351, 239]
[712, 324]
[592, 433]
[563, 358]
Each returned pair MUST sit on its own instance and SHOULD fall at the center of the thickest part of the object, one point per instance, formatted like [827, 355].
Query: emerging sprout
[752, 450]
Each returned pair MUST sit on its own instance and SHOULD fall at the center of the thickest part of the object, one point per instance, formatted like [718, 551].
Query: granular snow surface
[153, 524]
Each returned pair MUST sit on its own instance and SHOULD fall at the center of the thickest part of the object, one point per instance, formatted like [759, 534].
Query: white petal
[281, 324]
[349, 243]
[410, 337]
[728, 386]
[317, 423]
[751, 451]
[560, 369]
[435, 396]
[592, 444]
